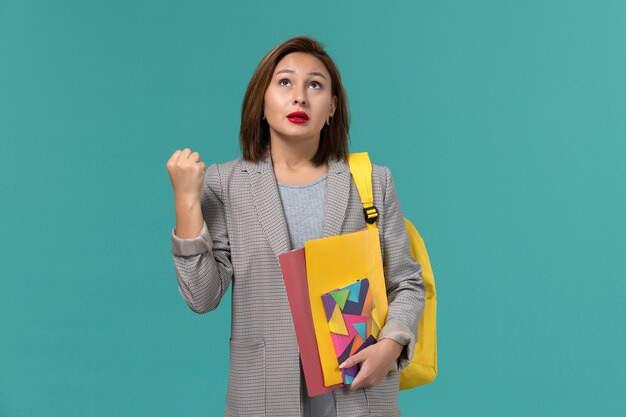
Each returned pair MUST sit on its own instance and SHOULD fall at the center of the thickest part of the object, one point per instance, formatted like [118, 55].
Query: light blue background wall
[504, 125]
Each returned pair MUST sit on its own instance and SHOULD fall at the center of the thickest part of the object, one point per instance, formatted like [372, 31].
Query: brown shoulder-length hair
[254, 135]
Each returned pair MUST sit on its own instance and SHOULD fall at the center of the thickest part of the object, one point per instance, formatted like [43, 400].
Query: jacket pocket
[382, 398]
[246, 379]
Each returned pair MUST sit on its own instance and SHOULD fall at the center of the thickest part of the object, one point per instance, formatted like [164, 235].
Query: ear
[333, 106]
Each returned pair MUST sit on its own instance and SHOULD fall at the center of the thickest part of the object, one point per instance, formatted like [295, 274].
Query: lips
[298, 117]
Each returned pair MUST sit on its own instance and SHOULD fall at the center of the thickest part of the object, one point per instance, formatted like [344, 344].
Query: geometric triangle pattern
[353, 322]
[337, 323]
[340, 297]
[360, 328]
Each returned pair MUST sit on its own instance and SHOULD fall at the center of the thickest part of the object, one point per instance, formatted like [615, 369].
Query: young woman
[291, 184]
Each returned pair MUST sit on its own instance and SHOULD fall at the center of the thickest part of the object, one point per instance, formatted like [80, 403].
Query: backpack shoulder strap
[361, 169]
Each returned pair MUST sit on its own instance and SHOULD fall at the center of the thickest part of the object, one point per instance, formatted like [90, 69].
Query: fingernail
[342, 365]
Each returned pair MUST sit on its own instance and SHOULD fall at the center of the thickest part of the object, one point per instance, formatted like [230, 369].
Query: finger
[356, 384]
[351, 361]
[194, 157]
[357, 358]
[359, 379]
[173, 158]
[184, 154]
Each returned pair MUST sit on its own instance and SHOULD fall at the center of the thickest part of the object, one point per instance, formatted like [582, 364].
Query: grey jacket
[244, 231]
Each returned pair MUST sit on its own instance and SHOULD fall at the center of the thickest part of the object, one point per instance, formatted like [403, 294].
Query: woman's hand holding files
[376, 360]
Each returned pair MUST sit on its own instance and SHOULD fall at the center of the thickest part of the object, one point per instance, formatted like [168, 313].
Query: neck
[293, 154]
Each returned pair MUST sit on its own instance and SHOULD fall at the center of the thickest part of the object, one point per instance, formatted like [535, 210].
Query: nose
[299, 98]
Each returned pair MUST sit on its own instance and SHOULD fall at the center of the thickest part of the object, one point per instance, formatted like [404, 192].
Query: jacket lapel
[337, 196]
[267, 202]
[269, 207]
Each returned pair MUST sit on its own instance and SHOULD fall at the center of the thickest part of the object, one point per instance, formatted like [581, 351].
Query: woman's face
[300, 83]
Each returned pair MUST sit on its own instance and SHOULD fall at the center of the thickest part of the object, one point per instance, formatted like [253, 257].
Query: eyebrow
[292, 72]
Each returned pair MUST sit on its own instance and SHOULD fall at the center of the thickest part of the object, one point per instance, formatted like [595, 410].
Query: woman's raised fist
[187, 174]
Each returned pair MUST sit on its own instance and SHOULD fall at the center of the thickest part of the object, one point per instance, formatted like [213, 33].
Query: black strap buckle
[371, 214]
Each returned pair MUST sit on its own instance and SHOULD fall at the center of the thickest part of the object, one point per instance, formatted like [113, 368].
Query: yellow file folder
[335, 262]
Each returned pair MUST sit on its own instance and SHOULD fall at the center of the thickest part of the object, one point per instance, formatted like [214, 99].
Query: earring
[328, 120]
[263, 116]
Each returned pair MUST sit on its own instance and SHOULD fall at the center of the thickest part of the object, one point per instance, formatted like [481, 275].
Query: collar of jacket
[269, 207]
[264, 164]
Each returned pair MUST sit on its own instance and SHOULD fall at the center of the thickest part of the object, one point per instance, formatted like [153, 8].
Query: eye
[281, 81]
[316, 83]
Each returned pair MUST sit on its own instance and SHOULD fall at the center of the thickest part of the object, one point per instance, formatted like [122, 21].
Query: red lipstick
[298, 117]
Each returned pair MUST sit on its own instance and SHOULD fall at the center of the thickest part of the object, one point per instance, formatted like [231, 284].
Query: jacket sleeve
[203, 264]
[403, 277]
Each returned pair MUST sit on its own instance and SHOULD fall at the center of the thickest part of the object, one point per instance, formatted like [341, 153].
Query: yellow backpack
[423, 367]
